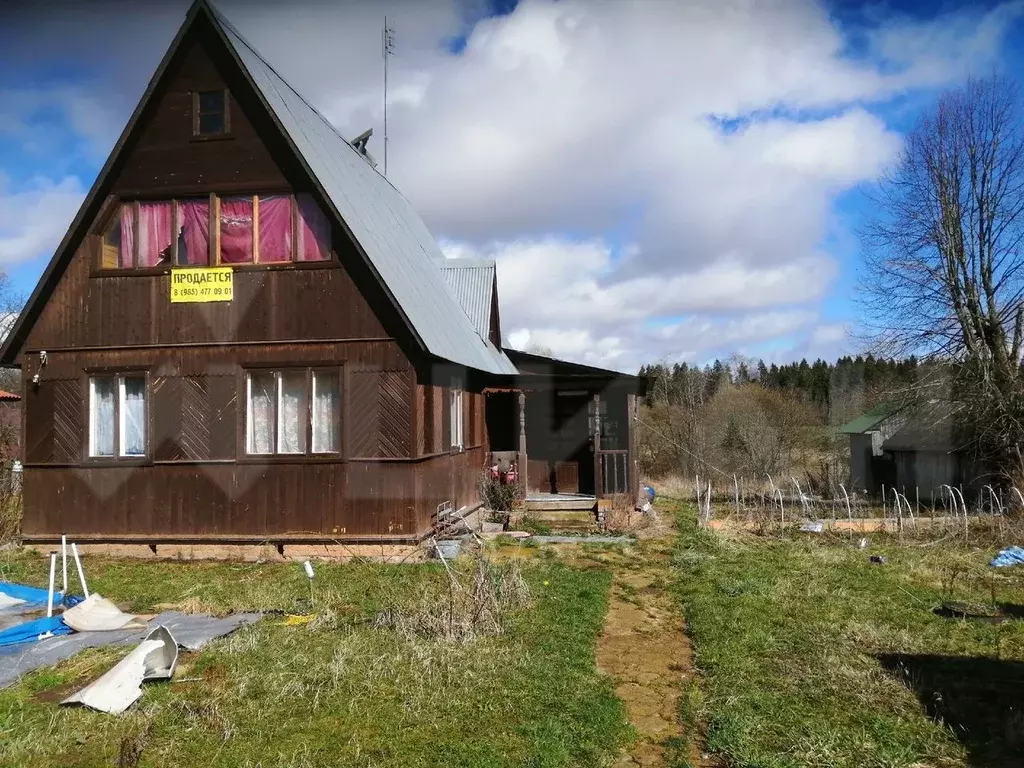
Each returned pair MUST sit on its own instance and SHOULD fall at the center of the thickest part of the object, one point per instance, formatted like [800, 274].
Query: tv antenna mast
[387, 50]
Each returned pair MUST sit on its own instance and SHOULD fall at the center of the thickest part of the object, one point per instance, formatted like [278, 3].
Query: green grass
[810, 656]
[338, 691]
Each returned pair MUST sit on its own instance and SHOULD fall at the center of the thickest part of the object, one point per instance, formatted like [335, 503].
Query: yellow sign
[201, 284]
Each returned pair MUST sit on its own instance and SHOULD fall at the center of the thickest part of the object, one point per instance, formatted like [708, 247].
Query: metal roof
[394, 238]
[472, 282]
[869, 420]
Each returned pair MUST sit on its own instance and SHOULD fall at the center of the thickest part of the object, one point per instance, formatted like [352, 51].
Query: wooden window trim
[255, 229]
[226, 133]
[111, 205]
[213, 257]
[118, 374]
[310, 377]
[214, 260]
[307, 455]
[456, 405]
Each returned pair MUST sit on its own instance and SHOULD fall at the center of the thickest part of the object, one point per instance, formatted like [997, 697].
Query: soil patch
[644, 648]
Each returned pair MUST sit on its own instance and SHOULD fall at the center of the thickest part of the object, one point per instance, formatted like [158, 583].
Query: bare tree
[536, 348]
[11, 303]
[944, 277]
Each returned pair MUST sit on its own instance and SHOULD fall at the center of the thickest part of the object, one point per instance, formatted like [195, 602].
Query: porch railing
[614, 472]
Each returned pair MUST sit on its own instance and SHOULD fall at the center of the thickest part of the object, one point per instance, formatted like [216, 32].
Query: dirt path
[645, 650]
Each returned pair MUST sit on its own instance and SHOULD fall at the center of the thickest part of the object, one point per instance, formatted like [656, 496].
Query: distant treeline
[837, 390]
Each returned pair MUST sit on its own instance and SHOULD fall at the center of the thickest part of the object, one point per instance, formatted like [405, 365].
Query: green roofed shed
[870, 420]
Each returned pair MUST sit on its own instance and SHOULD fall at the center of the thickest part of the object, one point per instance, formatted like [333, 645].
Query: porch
[570, 429]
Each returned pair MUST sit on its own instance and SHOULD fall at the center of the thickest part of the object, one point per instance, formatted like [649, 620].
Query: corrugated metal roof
[472, 282]
[5, 395]
[869, 420]
[394, 238]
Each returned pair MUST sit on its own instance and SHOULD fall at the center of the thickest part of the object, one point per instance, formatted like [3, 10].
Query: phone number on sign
[219, 292]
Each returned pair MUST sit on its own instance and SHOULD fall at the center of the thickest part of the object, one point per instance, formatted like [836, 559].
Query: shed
[869, 467]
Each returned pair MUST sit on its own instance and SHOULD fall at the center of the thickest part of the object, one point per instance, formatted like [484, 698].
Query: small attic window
[210, 113]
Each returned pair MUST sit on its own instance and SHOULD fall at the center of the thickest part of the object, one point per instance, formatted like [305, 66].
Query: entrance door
[557, 434]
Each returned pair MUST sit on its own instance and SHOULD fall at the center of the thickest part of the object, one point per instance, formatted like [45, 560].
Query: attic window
[213, 230]
[210, 113]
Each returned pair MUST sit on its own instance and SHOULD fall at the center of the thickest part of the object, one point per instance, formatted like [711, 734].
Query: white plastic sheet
[120, 687]
[97, 614]
[6, 601]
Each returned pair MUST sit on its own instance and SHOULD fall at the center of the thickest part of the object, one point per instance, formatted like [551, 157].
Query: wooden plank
[362, 414]
[68, 417]
[395, 419]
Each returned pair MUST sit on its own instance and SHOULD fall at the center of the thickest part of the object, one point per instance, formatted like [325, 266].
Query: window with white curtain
[293, 412]
[117, 416]
[455, 409]
[326, 408]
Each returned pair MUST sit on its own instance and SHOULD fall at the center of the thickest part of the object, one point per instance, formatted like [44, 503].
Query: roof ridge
[400, 249]
[468, 263]
[223, 21]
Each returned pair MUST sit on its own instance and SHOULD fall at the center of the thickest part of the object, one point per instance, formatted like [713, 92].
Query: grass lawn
[341, 690]
[811, 656]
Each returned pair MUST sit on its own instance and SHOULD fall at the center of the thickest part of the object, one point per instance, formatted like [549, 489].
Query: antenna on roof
[387, 49]
[359, 145]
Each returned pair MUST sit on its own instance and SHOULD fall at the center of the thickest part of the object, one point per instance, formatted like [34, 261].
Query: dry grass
[476, 601]
[812, 655]
[380, 676]
[10, 515]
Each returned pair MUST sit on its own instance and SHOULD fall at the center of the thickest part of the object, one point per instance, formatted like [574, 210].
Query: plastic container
[449, 548]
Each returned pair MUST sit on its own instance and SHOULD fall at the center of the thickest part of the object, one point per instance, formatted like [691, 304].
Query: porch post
[523, 463]
[598, 480]
[632, 476]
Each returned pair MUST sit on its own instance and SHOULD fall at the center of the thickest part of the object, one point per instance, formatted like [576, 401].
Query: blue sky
[656, 180]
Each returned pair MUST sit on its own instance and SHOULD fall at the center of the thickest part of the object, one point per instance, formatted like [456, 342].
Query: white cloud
[35, 216]
[654, 178]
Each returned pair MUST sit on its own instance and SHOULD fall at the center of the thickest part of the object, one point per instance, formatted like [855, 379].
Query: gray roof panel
[394, 238]
[472, 282]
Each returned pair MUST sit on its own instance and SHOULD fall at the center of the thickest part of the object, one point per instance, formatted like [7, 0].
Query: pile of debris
[89, 620]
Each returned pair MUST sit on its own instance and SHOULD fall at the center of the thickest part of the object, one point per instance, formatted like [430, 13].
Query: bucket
[449, 549]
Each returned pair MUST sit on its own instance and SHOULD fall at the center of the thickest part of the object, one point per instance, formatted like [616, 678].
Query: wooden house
[247, 334]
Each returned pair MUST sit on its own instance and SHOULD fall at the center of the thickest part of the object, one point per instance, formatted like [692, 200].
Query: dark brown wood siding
[196, 481]
[166, 156]
[91, 309]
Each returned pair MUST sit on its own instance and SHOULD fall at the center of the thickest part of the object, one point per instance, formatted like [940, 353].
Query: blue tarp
[31, 630]
[31, 595]
[1009, 556]
[35, 597]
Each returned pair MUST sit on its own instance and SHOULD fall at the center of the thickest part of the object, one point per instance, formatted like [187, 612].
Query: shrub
[497, 496]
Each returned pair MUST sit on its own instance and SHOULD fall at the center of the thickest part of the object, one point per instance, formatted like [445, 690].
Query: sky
[657, 180]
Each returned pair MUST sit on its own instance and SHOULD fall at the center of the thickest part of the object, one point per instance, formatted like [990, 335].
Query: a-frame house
[247, 334]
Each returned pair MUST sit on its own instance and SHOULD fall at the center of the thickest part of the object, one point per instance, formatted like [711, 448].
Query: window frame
[307, 454]
[118, 456]
[114, 207]
[456, 415]
[199, 135]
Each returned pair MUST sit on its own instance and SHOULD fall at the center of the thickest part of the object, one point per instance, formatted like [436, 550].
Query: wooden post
[523, 463]
[598, 485]
[632, 475]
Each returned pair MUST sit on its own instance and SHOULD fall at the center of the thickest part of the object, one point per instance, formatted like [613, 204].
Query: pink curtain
[275, 229]
[314, 231]
[156, 224]
[194, 235]
[127, 249]
[236, 230]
